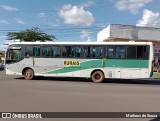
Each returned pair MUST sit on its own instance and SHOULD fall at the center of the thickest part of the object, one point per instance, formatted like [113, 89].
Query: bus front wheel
[97, 76]
[28, 74]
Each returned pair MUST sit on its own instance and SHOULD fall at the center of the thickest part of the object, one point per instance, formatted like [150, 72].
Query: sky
[75, 20]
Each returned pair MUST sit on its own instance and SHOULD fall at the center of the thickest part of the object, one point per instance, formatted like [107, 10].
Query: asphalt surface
[78, 95]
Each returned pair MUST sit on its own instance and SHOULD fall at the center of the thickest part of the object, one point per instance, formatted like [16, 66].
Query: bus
[95, 60]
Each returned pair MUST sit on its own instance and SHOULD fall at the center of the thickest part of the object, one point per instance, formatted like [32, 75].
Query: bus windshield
[13, 55]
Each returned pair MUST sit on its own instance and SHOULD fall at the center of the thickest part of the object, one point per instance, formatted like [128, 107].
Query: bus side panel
[125, 68]
[14, 68]
[145, 72]
[49, 67]
[131, 73]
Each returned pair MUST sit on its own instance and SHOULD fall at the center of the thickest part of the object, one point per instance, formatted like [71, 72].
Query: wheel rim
[97, 76]
[29, 74]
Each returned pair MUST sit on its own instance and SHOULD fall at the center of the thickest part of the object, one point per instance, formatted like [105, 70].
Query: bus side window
[86, 51]
[76, 51]
[67, 51]
[96, 51]
[29, 51]
[120, 52]
[109, 52]
[64, 51]
[55, 51]
[58, 51]
[141, 52]
[46, 51]
[36, 51]
[131, 52]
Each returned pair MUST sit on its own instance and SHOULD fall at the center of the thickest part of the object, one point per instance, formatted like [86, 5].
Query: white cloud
[86, 36]
[19, 21]
[3, 22]
[9, 8]
[41, 15]
[88, 4]
[76, 15]
[149, 19]
[132, 5]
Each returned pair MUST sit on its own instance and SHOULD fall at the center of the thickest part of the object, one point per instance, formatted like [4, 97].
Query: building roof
[129, 32]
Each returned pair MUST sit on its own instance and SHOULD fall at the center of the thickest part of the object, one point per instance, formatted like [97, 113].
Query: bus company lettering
[71, 63]
[25, 115]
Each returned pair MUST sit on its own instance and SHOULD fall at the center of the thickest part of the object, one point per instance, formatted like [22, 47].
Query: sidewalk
[156, 75]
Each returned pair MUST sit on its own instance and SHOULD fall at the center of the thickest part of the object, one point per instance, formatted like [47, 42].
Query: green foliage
[30, 35]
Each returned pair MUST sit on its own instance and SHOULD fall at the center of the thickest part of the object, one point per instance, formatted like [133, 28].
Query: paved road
[77, 95]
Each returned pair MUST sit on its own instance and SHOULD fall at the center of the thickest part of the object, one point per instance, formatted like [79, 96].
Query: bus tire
[97, 76]
[28, 74]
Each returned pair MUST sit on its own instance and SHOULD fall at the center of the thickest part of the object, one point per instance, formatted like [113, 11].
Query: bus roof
[82, 43]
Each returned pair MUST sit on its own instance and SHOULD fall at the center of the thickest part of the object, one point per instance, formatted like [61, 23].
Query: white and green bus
[95, 60]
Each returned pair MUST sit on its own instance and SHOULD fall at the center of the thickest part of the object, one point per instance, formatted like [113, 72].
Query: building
[117, 32]
[2, 55]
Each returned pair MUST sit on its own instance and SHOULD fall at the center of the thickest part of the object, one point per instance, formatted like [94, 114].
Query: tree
[30, 35]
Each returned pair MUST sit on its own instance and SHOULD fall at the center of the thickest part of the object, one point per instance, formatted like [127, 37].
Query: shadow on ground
[119, 81]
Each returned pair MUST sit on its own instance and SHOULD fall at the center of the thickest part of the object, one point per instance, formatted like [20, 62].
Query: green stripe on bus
[100, 63]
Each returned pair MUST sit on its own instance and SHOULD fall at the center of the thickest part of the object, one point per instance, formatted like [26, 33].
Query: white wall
[104, 34]
[134, 32]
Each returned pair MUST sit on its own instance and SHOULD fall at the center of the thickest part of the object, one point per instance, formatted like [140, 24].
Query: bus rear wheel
[28, 74]
[97, 76]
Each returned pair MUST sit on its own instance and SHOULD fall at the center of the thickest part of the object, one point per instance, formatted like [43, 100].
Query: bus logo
[71, 63]
[6, 115]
